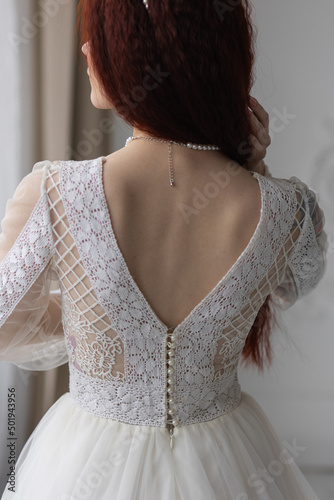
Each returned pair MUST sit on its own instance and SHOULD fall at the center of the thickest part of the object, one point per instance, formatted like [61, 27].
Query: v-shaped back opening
[132, 281]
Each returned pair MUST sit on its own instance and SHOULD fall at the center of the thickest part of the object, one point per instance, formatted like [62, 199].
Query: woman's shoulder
[42, 165]
[280, 191]
[290, 190]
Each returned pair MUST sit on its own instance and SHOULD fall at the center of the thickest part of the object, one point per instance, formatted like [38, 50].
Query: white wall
[296, 70]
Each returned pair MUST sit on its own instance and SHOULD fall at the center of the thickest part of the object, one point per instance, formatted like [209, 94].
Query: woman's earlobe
[85, 48]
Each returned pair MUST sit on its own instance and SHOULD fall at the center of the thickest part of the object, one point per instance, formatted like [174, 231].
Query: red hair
[181, 71]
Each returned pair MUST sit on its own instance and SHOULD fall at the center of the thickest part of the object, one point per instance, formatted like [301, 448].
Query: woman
[115, 269]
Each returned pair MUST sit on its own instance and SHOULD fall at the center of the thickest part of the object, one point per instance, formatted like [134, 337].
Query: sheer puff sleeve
[31, 332]
[308, 240]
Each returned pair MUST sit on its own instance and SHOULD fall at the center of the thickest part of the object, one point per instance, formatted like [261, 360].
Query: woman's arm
[307, 259]
[31, 334]
[308, 248]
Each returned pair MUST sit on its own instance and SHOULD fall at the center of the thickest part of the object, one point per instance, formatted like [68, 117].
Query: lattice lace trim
[116, 344]
[208, 343]
[88, 217]
[93, 347]
[307, 262]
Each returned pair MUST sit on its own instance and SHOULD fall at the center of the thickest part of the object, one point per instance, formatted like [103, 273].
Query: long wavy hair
[182, 71]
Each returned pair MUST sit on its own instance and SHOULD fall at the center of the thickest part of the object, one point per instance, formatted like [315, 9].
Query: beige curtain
[66, 126]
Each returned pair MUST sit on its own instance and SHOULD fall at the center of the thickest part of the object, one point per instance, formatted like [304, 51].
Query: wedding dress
[66, 295]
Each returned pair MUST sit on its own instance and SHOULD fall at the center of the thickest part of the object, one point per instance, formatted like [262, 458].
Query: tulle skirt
[74, 455]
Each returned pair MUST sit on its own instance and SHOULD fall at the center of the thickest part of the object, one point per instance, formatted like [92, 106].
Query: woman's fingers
[259, 151]
[259, 137]
[260, 113]
[259, 131]
[259, 120]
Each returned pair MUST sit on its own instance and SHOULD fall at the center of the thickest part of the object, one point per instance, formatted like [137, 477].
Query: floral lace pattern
[90, 351]
[125, 402]
[204, 388]
[115, 342]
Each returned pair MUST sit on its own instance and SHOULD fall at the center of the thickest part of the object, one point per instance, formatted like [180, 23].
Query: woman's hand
[260, 137]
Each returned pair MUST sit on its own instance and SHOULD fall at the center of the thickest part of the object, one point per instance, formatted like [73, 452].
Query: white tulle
[72, 455]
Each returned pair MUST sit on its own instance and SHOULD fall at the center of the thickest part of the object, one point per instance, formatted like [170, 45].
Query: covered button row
[170, 379]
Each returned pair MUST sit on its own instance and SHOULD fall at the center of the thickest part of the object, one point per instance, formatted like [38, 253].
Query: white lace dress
[128, 429]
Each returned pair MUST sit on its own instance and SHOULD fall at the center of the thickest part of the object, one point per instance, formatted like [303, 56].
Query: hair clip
[145, 2]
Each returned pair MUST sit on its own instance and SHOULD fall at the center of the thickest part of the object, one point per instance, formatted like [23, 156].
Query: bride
[155, 269]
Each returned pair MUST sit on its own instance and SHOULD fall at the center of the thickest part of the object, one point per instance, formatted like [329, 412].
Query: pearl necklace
[189, 145]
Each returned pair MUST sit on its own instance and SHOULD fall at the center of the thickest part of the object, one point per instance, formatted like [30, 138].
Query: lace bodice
[66, 294]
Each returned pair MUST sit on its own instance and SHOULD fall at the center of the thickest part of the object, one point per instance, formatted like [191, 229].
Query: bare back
[178, 242]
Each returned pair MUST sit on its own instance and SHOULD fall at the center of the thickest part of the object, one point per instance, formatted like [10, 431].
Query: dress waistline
[146, 405]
